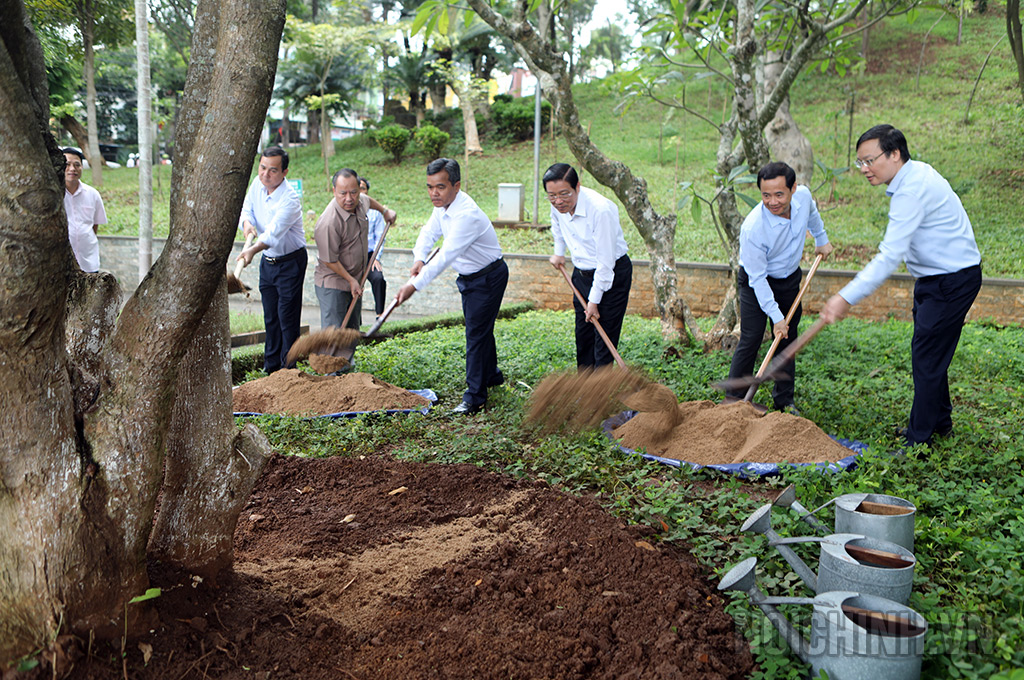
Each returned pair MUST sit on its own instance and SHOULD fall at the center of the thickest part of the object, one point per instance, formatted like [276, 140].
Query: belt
[619, 261]
[480, 272]
[284, 258]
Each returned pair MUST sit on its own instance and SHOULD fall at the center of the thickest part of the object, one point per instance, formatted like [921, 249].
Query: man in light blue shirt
[470, 248]
[771, 246]
[930, 231]
[376, 277]
[273, 213]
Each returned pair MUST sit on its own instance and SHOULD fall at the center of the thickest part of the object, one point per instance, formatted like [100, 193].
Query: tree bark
[312, 126]
[1013, 32]
[145, 118]
[87, 25]
[86, 417]
[788, 144]
[76, 130]
[468, 117]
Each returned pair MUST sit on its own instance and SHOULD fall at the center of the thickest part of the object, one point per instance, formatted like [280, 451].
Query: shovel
[765, 373]
[235, 284]
[774, 370]
[600, 331]
[342, 342]
[366, 274]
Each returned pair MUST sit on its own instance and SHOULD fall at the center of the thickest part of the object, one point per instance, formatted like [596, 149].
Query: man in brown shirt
[341, 241]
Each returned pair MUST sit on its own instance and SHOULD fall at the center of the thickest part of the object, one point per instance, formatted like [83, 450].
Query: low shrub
[431, 140]
[393, 139]
[513, 118]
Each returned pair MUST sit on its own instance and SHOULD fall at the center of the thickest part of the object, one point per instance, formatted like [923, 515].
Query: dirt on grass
[710, 434]
[373, 568]
[294, 392]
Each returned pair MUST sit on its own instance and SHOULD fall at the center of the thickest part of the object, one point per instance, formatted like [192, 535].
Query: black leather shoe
[941, 433]
[467, 409]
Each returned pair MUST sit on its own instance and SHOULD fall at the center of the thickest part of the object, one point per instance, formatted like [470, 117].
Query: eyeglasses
[866, 163]
[560, 196]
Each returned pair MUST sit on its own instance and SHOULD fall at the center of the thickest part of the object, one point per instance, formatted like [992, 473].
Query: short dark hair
[889, 139]
[73, 150]
[561, 171]
[777, 169]
[449, 165]
[344, 172]
[272, 151]
[363, 180]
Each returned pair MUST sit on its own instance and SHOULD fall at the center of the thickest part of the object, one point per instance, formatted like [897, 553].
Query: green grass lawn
[982, 160]
[854, 382]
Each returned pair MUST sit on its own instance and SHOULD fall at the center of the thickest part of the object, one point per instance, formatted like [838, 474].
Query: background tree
[469, 89]
[104, 410]
[608, 42]
[1013, 31]
[145, 119]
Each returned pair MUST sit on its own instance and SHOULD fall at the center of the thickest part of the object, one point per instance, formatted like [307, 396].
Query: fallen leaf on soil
[478, 582]
[703, 658]
[401, 489]
[646, 546]
[348, 518]
[305, 489]
[611, 593]
[147, 652]
[256, 518]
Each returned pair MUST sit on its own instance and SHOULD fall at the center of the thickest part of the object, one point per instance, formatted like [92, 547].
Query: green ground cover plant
[854, 382]
[981, 159]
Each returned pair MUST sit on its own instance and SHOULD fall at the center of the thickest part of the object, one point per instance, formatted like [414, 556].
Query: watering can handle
[802, 539]
[820, 507]
[788, 600]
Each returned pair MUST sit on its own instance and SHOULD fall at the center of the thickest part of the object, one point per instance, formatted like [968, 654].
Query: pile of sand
[293, 392]
[730, 433]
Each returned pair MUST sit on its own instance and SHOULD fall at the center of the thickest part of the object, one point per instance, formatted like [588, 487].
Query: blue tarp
[426, 394]
[740, 469]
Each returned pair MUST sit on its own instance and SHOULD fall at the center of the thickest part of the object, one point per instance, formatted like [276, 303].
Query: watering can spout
[741, 578]
[761, 523]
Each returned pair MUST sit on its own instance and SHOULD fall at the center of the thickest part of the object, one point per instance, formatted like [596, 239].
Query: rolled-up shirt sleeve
[606, 231]
[288, 211]
[905, 216]
[429, 234]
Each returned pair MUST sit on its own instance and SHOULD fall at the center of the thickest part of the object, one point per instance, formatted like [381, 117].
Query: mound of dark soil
[376, 569]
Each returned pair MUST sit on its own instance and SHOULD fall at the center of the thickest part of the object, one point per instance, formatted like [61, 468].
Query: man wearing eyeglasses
[930, 231]
[588, 224]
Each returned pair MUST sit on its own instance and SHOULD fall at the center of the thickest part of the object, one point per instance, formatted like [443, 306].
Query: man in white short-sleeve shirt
[84, 208]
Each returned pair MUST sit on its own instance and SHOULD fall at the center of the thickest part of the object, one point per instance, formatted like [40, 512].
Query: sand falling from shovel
[730, 433]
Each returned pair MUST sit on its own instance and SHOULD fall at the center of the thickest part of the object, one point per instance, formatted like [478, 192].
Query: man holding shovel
[272, 216]
[930, 231]
[471, 248]
[771, 246]
[341, 236]
[588, 223]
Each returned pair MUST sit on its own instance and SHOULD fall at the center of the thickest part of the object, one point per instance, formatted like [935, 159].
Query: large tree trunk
[76, 130]
[86, 419]
[1013, 32]
[145, 118]
[468, 119]
[313, 126]
[92, 152]
[787, 142]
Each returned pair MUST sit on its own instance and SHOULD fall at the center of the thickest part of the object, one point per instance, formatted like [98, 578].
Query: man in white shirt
[930, 231]
[84, 208]
[471, 248]
[771, 246]
[588, 223]
[273, 213]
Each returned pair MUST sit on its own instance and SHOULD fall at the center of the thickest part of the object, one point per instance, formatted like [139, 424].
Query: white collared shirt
[594, 236]
[376, 228]
[928, 229]
[470, 242]
[277, 217]
[84, 209]
[772, 246]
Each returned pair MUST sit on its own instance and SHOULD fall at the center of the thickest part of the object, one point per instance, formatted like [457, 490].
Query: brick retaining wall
[531, 278]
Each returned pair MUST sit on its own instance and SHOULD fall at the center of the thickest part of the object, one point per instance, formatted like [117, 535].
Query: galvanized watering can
[847, 561]
[875, 515]
[853, 636]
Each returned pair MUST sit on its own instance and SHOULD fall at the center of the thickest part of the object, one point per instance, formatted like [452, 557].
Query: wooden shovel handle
[241, 263]
[394, 303]
[366, 274]
[600, 331]
[789, 317]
